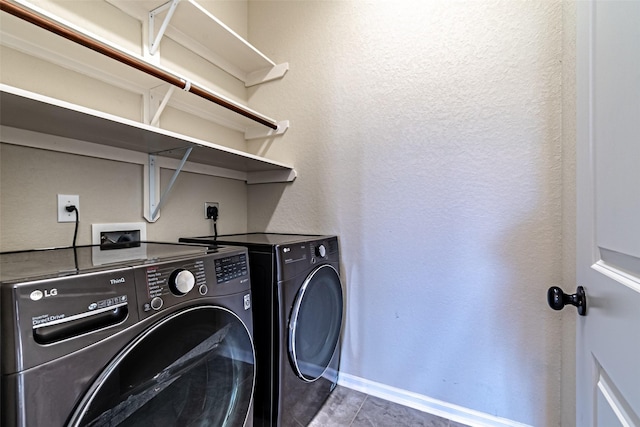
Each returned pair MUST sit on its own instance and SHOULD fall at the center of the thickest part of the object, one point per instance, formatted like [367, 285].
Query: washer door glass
[194, 368]
[315, 323]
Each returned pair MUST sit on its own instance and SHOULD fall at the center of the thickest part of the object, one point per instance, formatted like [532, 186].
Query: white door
[608, 216]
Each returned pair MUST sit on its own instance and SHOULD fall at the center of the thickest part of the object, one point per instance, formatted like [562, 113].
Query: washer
[165, 340]
[298, 313]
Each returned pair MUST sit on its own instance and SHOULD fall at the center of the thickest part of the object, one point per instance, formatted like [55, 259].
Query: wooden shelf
[30, 111]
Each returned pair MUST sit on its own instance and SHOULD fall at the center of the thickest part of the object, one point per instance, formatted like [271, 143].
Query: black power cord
[212, 214]
[72, 208]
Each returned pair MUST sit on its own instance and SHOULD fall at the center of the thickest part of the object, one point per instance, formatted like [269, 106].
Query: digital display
[230, 268]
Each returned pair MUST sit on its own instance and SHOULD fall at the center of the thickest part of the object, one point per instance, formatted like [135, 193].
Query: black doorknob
[558, 299]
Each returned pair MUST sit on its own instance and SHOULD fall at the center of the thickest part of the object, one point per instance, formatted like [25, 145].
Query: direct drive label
[93, 308]
[46, 318]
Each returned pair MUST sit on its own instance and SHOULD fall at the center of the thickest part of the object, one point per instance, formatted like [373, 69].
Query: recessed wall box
[118, 242]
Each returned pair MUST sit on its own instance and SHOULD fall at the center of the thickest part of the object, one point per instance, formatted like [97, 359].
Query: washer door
[194, 368]
[315, 323]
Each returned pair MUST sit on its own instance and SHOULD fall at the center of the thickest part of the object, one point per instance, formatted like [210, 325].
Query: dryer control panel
[296, 258]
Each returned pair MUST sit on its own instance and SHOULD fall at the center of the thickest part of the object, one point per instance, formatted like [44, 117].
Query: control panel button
[203, 289]
[156, 303]
[181, 281]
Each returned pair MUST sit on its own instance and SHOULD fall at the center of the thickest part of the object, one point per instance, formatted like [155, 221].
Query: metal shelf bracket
[257, 132]
[154, 94]
[154, 40]
[152, 199]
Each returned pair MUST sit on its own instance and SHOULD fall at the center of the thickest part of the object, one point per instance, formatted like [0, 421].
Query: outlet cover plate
[65, 200]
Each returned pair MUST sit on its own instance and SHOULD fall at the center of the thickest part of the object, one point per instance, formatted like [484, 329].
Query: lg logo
[38, 294]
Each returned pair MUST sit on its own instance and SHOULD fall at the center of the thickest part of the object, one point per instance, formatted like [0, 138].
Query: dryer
[165, 340]
[298, 312]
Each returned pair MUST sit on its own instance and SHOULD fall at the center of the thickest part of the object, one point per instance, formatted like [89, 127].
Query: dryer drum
[194, 368]
[315, 323]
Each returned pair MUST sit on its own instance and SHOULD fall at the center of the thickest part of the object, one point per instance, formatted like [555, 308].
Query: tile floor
[350, 408]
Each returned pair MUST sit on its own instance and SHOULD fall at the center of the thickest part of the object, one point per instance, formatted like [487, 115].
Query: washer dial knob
[181, 281]
[321, 251]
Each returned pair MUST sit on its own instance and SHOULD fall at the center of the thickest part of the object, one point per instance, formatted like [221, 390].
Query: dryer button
[156, 303]
[203, 289]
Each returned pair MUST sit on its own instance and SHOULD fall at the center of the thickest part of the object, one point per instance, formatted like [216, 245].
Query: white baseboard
[425, 404]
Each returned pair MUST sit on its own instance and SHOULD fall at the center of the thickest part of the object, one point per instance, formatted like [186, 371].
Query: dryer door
[193, 368]
[315, 323]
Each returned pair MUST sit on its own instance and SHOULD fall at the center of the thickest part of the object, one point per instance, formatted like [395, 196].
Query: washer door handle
[72, 328]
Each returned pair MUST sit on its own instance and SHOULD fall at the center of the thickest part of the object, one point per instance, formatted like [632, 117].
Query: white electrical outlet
[65, 200]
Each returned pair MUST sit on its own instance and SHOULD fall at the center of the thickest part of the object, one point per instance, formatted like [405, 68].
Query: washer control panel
[174, 279]
[232, 267]
[163, 285]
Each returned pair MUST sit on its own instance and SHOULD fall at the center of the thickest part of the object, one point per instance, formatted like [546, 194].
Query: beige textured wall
[109, 191]
[429, 136]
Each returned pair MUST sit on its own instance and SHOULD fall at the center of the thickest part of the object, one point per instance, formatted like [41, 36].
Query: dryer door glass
[315, 323]
[194, 368]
